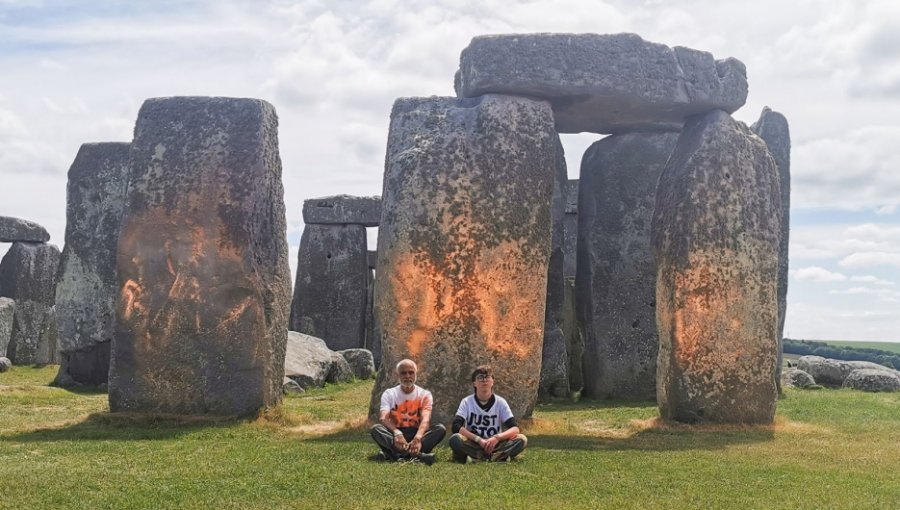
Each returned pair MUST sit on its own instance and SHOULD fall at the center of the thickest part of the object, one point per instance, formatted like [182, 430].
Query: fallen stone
[339, 371]
[833, 372]
[343, 210]
[615, 283]
[310, 362]
[773, 128]
[202, 261]
[796, 378]
[16, 229]
[361, 361]
[464, 245]
[609, 83]
[5, 364]
[715, 236]
[291, 386]
[7, 316]
[88, 289]
[330, 291]
[867, 379]
[28, 276]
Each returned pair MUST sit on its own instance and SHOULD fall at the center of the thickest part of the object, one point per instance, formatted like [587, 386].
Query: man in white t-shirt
[484, 427]
[405, 430]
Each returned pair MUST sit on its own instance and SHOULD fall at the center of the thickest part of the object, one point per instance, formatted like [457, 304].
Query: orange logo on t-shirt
[408, 413]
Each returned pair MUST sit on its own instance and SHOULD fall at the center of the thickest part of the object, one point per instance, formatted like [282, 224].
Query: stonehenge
[660, 273]
[203, 276]
[87, 289]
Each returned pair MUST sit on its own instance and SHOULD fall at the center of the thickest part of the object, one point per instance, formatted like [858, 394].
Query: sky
[74, 72]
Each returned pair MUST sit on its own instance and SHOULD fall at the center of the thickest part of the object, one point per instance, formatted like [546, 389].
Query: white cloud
[869, 259]
[870, 279]
[817, 274]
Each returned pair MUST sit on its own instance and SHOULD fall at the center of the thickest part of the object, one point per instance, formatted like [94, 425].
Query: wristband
[477, 439]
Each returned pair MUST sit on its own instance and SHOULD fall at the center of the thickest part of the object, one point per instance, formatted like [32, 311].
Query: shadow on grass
[124, 426]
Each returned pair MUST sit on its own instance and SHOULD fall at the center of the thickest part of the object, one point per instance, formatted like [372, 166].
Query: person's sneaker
[426, 458]
[501, 457]
[383, 457]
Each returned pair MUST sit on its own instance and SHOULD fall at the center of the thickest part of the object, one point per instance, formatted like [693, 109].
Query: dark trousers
[463, 448]
[385, 439]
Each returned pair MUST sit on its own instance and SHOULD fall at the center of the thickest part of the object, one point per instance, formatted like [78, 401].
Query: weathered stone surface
[373, 342]
[610, 83]
[310, 362]
[867, 379]
[339, 371]
[17, 229]
[361, 362]
[773, 128]
[554, 360]
[570, 230]
[330, 291]
[28, 276]
[715, 235]
[574, 338]
[372, 259]
[7, 316]
[202, 261]
[464, 245]
[343, 210]
[5, 364]
[291, 386]
[833, 372]
[796, 378]
[87, 290]
[615, 282]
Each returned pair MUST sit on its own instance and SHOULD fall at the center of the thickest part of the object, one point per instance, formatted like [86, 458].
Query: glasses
[483, 377]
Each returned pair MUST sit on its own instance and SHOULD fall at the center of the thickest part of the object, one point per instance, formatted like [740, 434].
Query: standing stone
[574, 338]
[330, 291]
[773, 128]
[28, 276]
[87, 290]
[464, 245]
[373, 342]
[616, 278]
[7, 316]
[610, 83]
[16, 229]
[716, 230]
[554, 360]
[202, 263]
[570, 230]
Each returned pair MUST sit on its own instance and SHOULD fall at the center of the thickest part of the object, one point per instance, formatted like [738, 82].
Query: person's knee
[523, 438]
[456, 441]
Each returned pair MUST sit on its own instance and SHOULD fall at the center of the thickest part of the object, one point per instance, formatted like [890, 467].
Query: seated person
[484, 427]
[405, 430]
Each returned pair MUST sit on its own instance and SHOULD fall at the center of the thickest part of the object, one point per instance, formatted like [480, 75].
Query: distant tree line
[812, 347]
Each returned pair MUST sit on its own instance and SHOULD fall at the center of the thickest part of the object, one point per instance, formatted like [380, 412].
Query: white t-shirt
[484, 423]
[406, 408]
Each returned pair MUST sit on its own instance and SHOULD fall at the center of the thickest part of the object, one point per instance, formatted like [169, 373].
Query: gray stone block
[202, 261]
[361, 362]
[464, 245]
[616, 278]
[17, 229]
[88, 289]
[28, 276]
[610, 83]
[715, 234]
[773, 128]
[7, 314]
[343, 210]
[330, 291]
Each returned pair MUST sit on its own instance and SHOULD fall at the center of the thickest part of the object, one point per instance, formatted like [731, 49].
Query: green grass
[884, 346]
[59, 449]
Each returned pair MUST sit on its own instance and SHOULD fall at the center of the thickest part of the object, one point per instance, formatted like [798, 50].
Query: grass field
[62, 449]
[884, 346]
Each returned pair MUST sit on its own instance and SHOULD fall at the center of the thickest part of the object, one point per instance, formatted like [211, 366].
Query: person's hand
[400, 442]
[415, 445]
[489, 444]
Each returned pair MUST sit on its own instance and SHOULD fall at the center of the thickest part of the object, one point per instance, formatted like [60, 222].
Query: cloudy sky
[73, 72]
